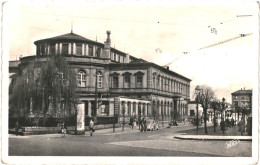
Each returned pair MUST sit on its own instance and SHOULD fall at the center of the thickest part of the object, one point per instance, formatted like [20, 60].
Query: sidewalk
[230, 134]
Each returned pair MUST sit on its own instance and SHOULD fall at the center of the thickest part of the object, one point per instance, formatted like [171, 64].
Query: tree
[215, 105]
[43, 86]
[205, 97]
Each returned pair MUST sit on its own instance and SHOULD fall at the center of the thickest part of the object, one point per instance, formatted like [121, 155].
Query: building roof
[242, 92]
[67, 37]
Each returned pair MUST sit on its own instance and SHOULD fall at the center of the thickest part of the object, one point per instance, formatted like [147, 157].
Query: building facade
[241, 99]
[111, 82]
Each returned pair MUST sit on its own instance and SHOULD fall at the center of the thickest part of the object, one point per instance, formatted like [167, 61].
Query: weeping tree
[44, 88]
[205, 97]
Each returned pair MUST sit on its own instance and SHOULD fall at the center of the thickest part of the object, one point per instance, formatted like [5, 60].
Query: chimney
[244, 88]
[108, 36]
[107, 45]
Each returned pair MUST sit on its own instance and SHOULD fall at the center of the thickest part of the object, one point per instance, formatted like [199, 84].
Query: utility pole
[95, 104]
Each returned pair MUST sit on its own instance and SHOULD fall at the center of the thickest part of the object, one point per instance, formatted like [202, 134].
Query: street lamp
[223, 106]
[197, 91]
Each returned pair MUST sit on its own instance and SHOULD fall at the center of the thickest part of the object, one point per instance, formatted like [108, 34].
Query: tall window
[65, 48]
[98, 52]
[52, 49]
[158, 82]
[154, 85]
[115, 82]
[90, 51]
[42, 49]
[99, 80]
[139, 79]
[81, 79]
[127, 79]
[79, 49]
[161, 83]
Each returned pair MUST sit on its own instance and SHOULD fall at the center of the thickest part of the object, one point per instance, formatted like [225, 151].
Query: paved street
[127, 143]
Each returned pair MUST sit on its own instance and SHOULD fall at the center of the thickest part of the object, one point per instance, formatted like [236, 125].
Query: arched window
[99, 80]
[81, 79]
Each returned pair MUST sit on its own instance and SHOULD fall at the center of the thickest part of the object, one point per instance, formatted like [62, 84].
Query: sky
[142, 27]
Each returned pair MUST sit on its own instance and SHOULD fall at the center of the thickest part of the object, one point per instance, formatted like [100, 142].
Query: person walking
[141, 125]
[232, 122]
[242, 126]
[17, 127]
[63, 129]
[91, 127]
[222, 126]
[132, 122]
[144, 125]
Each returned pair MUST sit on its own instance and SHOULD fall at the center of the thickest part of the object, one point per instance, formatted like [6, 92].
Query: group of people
[64, 128]
[225, 124]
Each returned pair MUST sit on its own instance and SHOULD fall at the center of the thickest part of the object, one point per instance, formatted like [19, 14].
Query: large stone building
[126, 85]
[241, 99]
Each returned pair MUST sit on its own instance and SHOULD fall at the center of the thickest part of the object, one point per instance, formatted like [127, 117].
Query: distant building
[127, 86]
[241, 99]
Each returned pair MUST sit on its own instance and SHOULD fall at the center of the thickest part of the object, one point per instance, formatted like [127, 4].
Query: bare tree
[215, 105]
[205, 98]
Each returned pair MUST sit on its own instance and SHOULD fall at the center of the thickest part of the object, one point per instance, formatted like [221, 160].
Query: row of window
[82, 79]
[127, 80]
[170, 85]
[87, 49]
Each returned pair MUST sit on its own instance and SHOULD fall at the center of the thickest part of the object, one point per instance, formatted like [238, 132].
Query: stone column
[94, 51]
[149, 109]
[60, 49]
[74, 48]
[145, 109]
[86, 49]
[69, 48]
[136, 108]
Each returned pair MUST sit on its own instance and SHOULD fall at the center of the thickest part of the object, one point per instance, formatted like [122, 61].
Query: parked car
[152, 125]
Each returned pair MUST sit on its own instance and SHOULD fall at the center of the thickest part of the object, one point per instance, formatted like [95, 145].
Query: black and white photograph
[129, 82]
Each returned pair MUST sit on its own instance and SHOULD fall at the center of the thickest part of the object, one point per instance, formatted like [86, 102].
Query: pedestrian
[63, 129]
[91, 127]
[132, 122]
[141, 126]
[232, 122]
[17, 127]
[222, 125]
[242, 126]
[227, 123]
[144, 124]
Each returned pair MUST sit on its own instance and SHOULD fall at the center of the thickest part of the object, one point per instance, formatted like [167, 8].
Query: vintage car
[152, 125]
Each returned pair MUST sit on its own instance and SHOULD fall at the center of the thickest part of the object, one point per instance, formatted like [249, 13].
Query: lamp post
[197, 91]
[223, 106]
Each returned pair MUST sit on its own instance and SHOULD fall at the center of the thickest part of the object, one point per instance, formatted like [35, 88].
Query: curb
[214, 138]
